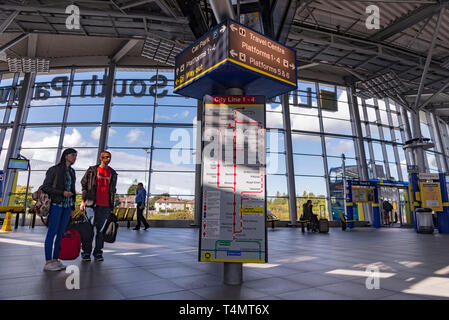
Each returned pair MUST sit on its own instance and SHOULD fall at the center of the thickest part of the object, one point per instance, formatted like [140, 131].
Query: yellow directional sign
[261, 54]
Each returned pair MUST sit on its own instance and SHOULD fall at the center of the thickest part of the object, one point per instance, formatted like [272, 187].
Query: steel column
[233, 271]
[418, 152]
[393, 138]
[370, 145]
[289, 160]
[434, 140]
[12, 94]
[25, 92]
[198, 164]
[360, 147]
[107, 110]
[323, 146]
[64, 117]
[356, 123]
[429, 59]
[406, 133]
[436, 126]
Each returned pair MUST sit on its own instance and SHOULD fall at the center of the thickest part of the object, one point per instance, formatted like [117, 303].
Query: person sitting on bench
[309, 215]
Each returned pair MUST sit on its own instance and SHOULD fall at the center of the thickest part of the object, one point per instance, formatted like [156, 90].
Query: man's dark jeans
[100, 217]
[140, 217]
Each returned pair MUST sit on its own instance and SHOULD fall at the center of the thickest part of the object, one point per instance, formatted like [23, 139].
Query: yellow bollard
[7, 222]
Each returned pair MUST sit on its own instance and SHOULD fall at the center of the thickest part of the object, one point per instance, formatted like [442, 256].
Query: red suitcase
[70, 245]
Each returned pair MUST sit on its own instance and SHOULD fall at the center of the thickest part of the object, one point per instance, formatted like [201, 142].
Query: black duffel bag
[84, 228]
[110, 229]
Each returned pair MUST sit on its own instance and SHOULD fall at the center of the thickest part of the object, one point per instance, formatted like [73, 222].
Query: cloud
[42, 159]
[48, 102]
[95, 133]
[341, 147]
[134, 134]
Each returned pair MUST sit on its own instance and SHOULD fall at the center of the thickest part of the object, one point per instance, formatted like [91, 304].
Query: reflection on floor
[161, 263]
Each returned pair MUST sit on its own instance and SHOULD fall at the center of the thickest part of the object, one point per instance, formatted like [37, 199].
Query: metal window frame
[393, 138]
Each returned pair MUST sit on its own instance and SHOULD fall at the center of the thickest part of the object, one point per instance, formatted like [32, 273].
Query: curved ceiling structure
[331, 37]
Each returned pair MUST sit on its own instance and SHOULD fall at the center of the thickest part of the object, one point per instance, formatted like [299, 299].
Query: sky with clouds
[127, 142]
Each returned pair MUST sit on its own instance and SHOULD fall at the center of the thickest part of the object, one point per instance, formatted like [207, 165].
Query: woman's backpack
[43, 202]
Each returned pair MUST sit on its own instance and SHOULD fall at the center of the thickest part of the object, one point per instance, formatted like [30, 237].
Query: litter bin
[424, 220]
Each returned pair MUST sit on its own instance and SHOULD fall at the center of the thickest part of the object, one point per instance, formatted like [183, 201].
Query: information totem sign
[232, 55]
[233, 219]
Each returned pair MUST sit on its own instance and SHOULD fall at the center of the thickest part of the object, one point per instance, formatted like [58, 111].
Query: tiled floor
[161, 263]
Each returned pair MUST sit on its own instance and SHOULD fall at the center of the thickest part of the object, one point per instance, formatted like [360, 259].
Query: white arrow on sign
[223, 29]
[233, 28]
[177, 71]
[233, 53]
[292, 66]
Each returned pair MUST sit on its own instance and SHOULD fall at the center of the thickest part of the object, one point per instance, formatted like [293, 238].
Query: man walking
[140, 200]
[99, 188]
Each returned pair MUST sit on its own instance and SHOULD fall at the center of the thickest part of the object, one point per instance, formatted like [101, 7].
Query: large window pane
[81, 137]
[306, 144]
[172, 183]
[5, 147]
[45, 114]
[275, 140]
[41, 137]
[129, 136]
[276, 185]
[310, 186]
[129, 159]
[305, 123]
[173, 160]
[175, 115]
[174, 138]
[337, 126]
[274, 120]
[308, 165]
[87, 157]
[337, 146]
[85, 113]
[276, 163]
[40, 159]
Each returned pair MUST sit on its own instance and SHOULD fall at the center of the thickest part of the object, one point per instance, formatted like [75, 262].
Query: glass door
[404, 207]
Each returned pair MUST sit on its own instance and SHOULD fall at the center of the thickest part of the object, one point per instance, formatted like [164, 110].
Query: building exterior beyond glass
[151, 134]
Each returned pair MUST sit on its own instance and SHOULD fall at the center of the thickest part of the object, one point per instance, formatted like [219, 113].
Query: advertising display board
[233, 219]
[431, 195]
[363, 195]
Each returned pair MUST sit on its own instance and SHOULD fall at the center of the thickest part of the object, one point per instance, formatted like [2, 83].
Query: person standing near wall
[59, 184]
[99, 188]
[140, 201]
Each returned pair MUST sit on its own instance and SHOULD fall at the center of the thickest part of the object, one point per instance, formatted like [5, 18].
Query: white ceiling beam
[124, 50]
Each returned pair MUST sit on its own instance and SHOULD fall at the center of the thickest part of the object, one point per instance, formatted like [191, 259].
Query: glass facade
[151, 134]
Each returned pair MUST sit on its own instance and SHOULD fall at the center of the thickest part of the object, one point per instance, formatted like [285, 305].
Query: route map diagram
[233, 221]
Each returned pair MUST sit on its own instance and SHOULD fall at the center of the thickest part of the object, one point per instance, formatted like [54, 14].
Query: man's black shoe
[99, 258]
[86, 258]
[136, 229]
[146, 228]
